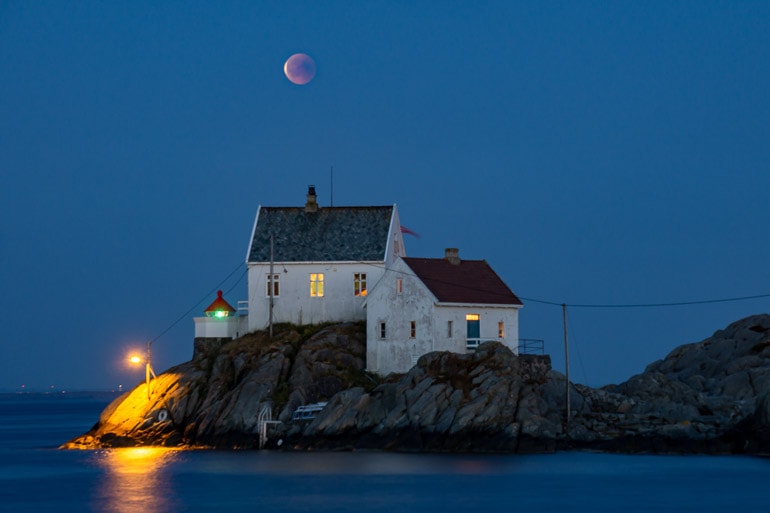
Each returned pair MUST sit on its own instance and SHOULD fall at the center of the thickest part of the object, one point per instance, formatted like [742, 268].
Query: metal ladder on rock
[263, 420]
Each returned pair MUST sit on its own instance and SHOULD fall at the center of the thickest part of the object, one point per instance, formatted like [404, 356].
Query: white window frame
[276, 285]
[359, 284]
[316, 284]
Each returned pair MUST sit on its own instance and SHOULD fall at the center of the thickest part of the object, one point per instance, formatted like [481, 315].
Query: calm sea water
[35, 476]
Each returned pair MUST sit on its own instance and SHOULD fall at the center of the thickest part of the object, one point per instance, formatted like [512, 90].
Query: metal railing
[474, 343]
[307, 411]
[526, 345]
[531, 346]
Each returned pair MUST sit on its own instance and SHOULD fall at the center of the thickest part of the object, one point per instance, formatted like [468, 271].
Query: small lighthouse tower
[220, 324]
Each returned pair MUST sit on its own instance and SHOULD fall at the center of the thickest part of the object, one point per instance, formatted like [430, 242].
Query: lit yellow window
[500, 330]
[359, 284]
[316, 285]
[471, 317]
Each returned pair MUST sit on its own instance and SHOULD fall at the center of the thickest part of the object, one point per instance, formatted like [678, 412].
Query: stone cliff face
[712, 396]
[488, 400]
[215, 399]
[709, 394]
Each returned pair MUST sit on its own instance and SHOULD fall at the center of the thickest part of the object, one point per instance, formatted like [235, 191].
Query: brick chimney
[312, 204]
[452, 255]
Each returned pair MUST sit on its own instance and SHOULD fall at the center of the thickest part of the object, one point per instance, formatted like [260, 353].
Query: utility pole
[566, 360]
[272, 284]
[148, 371]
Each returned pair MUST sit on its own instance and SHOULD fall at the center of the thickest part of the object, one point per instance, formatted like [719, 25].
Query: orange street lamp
[148, 370]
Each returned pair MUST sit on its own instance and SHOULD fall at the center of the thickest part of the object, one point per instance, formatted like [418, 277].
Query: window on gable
[316, 285]
[412, 329]
[501, 329]
[359, 284]
[383, 331]
[276, 287]
[449, 329]
[399, 285]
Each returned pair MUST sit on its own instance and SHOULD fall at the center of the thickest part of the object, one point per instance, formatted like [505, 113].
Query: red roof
[470, 281]
[219, 305]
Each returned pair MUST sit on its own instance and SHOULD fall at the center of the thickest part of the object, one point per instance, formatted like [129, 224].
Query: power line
[237, 281]
[584, 305]
[201, 300]
[646, 305]
[591, 305]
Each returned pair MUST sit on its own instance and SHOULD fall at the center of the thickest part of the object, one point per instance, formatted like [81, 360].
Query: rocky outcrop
[215, 399]
[712, 396]
[488, 400]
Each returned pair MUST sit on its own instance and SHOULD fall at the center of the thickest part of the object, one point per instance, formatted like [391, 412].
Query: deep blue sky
[592, 152]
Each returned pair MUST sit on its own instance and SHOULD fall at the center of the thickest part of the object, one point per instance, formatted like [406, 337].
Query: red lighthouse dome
[220, 307]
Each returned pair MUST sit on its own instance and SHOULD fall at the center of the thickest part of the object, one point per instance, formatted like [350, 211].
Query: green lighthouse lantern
[220, 308]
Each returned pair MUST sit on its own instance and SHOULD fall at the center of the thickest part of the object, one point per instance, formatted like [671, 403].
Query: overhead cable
[201, 300]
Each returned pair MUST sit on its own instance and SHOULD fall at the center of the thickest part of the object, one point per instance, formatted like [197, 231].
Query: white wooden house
[313, 264]
[437, 304]
[317, 264]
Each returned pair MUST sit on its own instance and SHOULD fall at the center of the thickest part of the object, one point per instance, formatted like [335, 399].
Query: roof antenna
[331, 179]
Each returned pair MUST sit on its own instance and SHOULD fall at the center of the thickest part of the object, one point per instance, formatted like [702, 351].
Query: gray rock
[711, 396]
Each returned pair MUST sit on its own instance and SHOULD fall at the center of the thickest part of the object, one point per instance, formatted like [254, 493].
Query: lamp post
[148, 371]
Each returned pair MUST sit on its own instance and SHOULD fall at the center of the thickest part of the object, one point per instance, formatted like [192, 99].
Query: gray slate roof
[332, 234]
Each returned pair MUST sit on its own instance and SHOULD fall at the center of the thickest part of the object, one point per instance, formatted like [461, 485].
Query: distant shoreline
[106, 394]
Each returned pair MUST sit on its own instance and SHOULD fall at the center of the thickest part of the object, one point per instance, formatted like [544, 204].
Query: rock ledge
[708, 397]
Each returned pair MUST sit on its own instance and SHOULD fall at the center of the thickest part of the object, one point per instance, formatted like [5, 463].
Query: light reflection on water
[134, 480]
[301, 464]
[35, 478]
[158, 480]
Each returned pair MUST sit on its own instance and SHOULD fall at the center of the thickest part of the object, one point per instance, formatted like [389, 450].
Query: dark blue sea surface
[35, 476]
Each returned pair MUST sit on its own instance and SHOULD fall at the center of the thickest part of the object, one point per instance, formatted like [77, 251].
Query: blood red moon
[299, 68]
